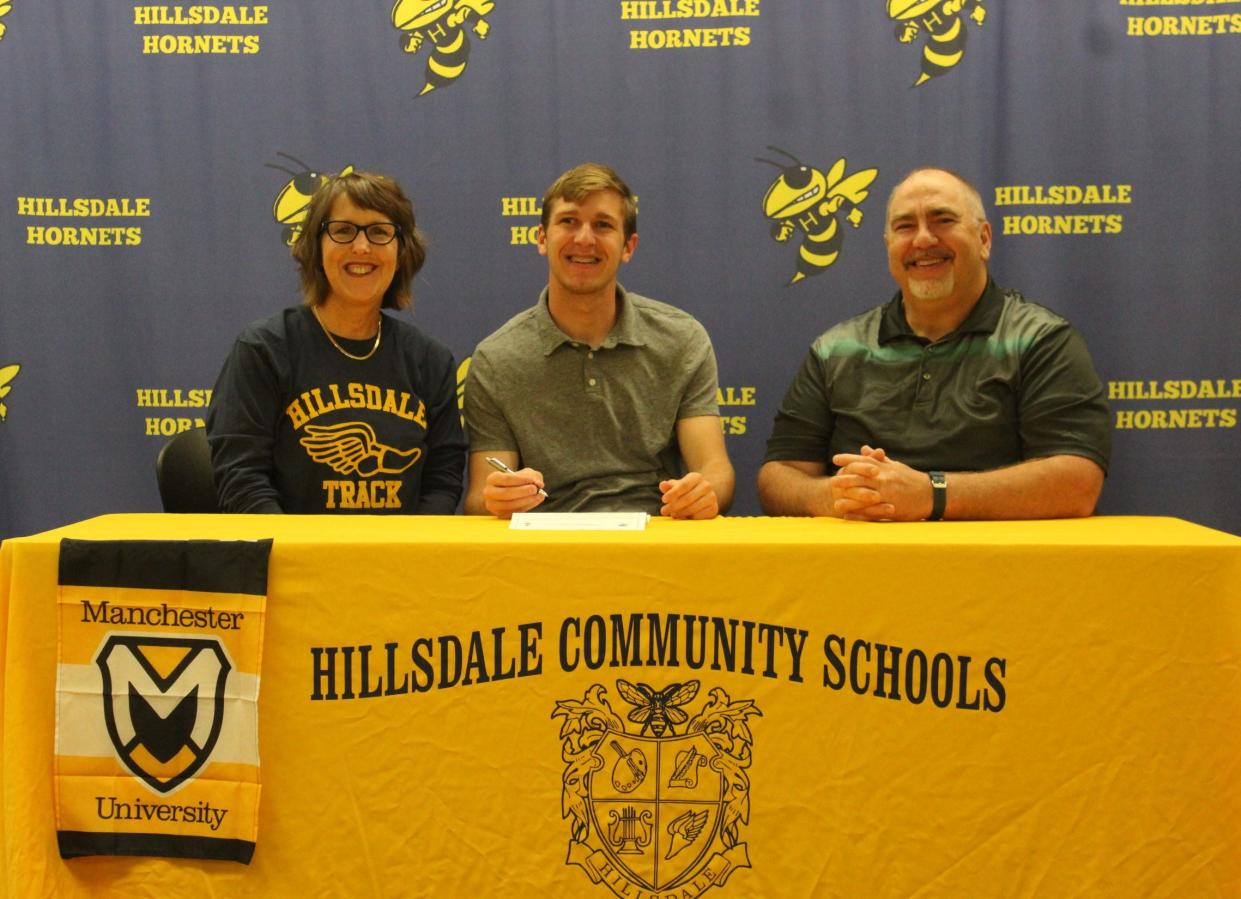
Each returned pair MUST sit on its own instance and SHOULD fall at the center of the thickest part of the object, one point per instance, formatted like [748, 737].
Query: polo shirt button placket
[924, 380]
[588, 366]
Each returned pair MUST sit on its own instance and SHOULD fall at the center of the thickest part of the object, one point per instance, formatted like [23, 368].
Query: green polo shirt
[600, 424]
[1013, 382]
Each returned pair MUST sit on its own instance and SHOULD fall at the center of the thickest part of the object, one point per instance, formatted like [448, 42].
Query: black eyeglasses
[378, 233]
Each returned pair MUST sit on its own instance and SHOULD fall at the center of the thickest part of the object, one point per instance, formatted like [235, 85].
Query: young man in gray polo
[596, 398]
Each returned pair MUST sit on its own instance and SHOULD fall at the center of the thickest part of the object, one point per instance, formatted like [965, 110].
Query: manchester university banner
[157, 689]
[158, 158]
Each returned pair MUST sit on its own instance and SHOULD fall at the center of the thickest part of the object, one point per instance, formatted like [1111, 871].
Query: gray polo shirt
[599, 424]
[1013, 382]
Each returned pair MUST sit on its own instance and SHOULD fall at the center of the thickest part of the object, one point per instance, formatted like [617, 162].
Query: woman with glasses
[332, 406]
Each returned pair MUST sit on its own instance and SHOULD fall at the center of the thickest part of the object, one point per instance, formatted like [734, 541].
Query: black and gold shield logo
[163, 703]
[656, 805]
[656, 811]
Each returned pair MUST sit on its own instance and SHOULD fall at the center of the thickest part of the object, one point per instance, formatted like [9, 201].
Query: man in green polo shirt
[957, 399]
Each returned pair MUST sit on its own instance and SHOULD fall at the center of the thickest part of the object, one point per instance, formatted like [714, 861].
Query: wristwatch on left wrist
[939, 495]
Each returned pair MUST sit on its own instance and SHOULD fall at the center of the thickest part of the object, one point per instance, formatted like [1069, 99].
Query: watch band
[939, 495]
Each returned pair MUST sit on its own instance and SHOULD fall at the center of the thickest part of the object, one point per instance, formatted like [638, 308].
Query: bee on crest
[657, 710]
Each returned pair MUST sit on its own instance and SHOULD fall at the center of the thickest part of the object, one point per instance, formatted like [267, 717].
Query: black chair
[183, 472]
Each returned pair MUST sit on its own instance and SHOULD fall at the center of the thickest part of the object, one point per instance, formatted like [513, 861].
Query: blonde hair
[588, 178]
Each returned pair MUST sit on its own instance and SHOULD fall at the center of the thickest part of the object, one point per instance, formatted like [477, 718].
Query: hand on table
[689, 497]
[871, 487]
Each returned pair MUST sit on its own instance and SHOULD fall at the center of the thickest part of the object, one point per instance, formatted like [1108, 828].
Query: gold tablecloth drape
[739, 707]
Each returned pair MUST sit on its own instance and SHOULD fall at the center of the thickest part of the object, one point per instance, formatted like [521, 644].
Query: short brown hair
[588, 178]
[369, 191]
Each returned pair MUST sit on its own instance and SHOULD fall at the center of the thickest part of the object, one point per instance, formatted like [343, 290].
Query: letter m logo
[163, 703]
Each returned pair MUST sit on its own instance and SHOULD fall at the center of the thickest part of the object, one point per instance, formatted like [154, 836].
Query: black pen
[500, 466]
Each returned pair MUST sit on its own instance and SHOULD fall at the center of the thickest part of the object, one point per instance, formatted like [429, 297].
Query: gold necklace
[378, 334]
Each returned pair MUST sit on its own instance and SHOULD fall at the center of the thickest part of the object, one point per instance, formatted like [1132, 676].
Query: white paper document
[579, 521]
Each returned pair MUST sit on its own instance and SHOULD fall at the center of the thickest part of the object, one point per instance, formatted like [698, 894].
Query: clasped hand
[869, 486]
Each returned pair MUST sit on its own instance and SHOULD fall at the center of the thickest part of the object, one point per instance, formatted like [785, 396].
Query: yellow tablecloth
[1094, 748]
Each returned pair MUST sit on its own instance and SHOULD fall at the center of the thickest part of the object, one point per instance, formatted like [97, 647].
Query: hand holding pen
[508, 492]
[500, 466]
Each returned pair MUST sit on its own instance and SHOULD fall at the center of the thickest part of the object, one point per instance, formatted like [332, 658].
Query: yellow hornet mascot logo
[289, 208]
[442, 22]
[803, 198]
[462, 370]
[653, 811]
[944, 26]
[7, 374]
[4, 11]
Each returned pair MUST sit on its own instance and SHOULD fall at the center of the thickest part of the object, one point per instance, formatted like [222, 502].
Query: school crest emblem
[651, 809]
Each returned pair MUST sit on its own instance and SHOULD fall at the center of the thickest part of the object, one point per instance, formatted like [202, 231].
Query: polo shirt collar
[630, 328]
[983, 318]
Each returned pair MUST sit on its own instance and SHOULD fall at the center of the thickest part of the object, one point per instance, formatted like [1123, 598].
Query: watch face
[938, 479]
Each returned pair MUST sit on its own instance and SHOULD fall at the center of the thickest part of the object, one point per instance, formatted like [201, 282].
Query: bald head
[970, 194]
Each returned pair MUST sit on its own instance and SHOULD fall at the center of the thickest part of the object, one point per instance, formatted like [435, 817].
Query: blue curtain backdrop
[1102, 133]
